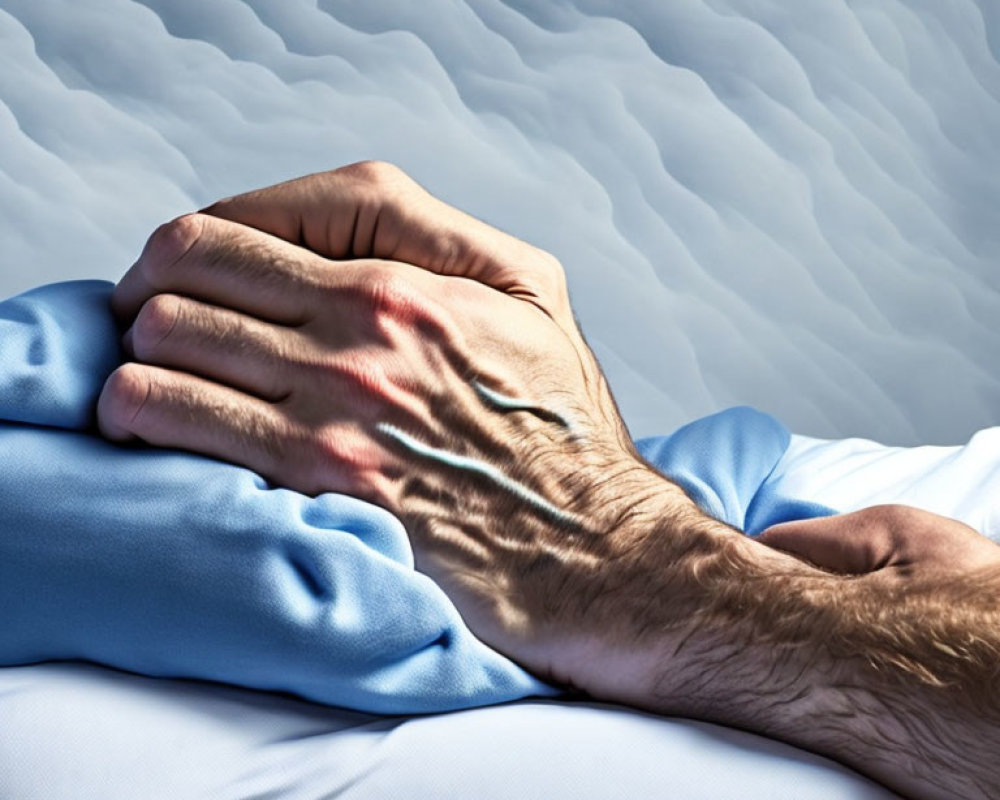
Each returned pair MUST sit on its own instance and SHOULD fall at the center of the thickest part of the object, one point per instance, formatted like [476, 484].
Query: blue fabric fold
[170, 564]
[723, 463]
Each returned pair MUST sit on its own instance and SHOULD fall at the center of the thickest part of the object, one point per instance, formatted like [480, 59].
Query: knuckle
[170, 243]
[344, 458]
[395, 305]
[379, 184]
[550, 265]
[385, 291]
[156, 320]
[549, 271]
[125, 393]
[376, 173]
[331, 447]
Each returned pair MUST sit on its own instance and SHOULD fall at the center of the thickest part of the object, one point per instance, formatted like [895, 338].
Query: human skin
[348, 332]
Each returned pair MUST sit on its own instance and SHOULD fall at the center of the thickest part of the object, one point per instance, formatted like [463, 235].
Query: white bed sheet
[72, 732]
[962, 481]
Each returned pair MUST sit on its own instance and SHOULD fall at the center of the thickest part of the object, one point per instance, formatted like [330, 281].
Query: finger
[374, 210]
[172, 409]
[839, 543]
[225, 263]
[216, 343]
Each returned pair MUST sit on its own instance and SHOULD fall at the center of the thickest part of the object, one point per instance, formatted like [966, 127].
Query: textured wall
[788, 204]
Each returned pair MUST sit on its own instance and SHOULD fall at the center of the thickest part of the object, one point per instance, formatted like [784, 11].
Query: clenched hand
[455, 391]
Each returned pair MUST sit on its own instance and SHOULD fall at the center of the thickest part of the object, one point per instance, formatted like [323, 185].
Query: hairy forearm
[897, 679]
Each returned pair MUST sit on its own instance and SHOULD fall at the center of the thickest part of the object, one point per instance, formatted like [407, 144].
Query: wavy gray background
[787, 204]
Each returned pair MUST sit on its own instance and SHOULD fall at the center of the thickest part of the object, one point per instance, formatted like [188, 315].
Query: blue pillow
[170, 564]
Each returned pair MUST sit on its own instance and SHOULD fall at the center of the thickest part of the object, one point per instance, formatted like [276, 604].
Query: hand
[469, 413]
[895, 540]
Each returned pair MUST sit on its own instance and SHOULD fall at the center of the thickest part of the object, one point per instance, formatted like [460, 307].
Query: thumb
[845, 543]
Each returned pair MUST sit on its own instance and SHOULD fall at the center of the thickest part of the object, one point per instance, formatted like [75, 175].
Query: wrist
[678, 595]
[635, 581]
